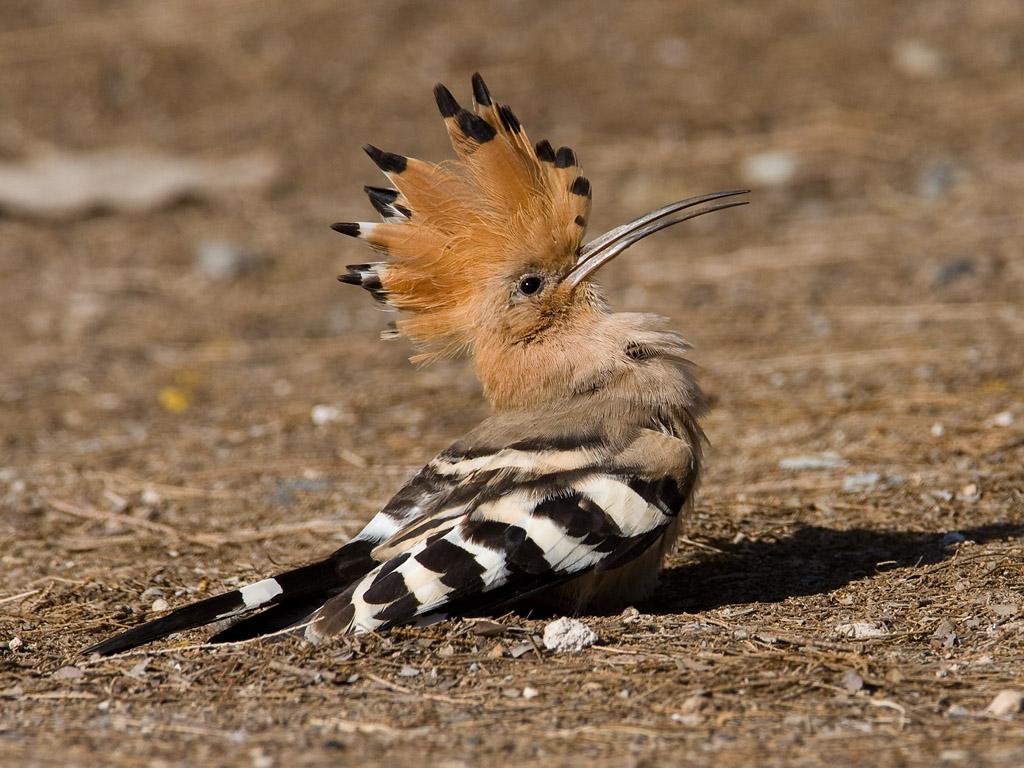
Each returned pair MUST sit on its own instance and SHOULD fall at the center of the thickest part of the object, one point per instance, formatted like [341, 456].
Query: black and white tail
[287, 598]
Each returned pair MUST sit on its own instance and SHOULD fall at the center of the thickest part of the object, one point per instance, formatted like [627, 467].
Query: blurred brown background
[188, 399]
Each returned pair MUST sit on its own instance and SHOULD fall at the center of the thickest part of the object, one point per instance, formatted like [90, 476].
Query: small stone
[496, 652]
[970, 492]
[1000, 610]
[139, 670]
[218, 260]
[520, 649]
[821, 461]
[69, 673]
[408, 671]
[693, 704]
[687, 720]
[567, 634]
[630, 615]
[484, 628]
[860, 630]
[446, 651]
[862, 482]
[673, 52]
[1006, 702]
[945, 634]
[260, 759]
[954, 756]
[1001, 419]
[15, 643]
[511, 693]
[852, 681]
[159, 605]
[936, 180]
[953, 271]
[938, 430]
[770, 169]
[530, 693]
[325, 414]
[917, 58]
[151, 498]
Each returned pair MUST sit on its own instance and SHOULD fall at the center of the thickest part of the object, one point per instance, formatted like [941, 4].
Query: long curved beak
[603, 249]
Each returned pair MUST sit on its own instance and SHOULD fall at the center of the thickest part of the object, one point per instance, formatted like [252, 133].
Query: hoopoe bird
[572, 492]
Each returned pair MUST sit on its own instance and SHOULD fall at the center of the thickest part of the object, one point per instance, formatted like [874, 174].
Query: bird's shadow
[813, 560]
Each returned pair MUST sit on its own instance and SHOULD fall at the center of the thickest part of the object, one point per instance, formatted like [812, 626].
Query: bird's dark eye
[530, 284]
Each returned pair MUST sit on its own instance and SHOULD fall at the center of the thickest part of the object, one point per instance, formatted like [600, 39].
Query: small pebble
[520, 649]
[151, 497]
[1002, 419]
[852, 681]
[917, 58]
[693, 704]
[15, 643]
[673, 52]
[860, 630]
[446, 651]
[1002, 611]
[770, 169]
[408, 671]
[530, 693]
[218, 260]
[68, 673]
[325, 414]
[159, 605]
[688, 720]
[260, 759]
[861, 482]
[484, 628]
[630, 615]
[970, 492]
[1006, 702]
[938, 430]
[567, 634]
[139, 670]
[822, 461]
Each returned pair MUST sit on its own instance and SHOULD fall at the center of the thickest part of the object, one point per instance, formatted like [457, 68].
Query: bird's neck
[625, 356]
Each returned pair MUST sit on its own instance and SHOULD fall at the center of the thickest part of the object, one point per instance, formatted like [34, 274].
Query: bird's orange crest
[502, 207]
[490, 246]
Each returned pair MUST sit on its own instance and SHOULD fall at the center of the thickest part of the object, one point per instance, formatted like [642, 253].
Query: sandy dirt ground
[850, 589]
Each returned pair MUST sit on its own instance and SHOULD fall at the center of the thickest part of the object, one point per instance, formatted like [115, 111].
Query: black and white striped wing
[518, 524]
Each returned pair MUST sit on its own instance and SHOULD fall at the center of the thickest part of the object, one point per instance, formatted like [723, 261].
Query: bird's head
[485, 253]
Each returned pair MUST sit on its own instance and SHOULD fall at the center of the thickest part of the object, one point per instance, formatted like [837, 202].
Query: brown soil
[156, 430]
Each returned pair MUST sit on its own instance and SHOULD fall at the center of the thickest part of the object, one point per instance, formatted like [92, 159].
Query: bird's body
[572, 492]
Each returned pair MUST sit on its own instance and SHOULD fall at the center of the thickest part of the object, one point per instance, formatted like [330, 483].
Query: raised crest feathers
[503, 205]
